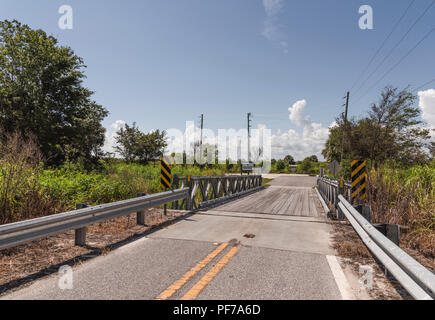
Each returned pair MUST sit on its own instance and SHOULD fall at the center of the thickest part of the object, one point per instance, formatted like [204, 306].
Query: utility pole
[200, 148]
[347, 106]
[249, 137]
[345, 124]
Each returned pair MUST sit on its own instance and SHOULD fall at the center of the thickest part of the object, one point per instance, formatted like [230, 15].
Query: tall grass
[20, 193]
[28, 190]
[406, 197]
[71, 184]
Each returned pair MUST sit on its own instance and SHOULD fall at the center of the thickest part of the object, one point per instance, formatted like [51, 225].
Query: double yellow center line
[201, 284]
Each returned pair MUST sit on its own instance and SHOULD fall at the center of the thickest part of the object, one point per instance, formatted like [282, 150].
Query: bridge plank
[279, 200]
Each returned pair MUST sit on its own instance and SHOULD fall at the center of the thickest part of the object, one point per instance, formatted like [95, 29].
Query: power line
[399, 62]
[382, 45]
[395, 47]
[424, 85]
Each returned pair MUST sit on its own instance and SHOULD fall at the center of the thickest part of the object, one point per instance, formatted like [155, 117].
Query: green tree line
[392, 131]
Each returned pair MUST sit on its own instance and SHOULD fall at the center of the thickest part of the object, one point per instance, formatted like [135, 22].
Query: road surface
[273, 244]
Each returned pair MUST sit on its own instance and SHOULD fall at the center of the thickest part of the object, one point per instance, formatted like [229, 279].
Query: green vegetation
[115, 181]
[406, 196]
[391, 131]
[41, 94]
[28, 189]
[309, 165]
[401, 167]
[134, 145]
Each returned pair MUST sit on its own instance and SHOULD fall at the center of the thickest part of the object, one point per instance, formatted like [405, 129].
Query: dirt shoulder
[356, 259]
[21, 265]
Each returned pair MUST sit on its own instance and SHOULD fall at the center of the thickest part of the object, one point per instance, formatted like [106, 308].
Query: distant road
[273, 244]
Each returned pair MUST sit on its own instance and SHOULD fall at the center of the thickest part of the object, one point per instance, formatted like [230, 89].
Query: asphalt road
[213, 255]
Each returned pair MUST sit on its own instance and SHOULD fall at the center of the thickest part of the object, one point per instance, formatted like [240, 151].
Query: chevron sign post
[359, 180]
[166, 173]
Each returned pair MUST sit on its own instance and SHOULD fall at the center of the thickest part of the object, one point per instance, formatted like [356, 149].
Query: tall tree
[289, 160]
[134, 145]
[313, 158]
[151, 146]
[42, 92]
[392, 130]
[127, 142]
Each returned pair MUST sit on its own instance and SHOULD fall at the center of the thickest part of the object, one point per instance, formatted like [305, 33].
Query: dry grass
[349, 246]
[347, 243]
[354, 253]
[26, 263]
[406, 198]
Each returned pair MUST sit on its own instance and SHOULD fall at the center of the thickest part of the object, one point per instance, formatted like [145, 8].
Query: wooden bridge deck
[281, 199]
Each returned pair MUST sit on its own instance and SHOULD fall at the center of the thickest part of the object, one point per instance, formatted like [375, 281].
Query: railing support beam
[140, 215]
[80, 234]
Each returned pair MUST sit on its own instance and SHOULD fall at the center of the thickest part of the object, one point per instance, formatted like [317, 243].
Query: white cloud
[311, 141]
[272, 7]
[271, 28]
[333, 125]
[427, 106]
[110, 141]
[297, 112]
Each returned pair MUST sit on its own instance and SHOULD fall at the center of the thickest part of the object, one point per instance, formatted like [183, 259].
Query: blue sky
[163, 62]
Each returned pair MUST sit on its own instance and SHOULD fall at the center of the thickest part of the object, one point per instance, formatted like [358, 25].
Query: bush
[281, 165]
[308, 167]
[19, 177]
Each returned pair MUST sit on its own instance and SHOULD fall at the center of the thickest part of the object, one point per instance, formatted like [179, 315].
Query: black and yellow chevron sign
[359, 179]
[165, 176]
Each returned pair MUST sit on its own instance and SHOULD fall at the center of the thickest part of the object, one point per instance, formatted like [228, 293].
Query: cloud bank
[311, 141]
[427, 106]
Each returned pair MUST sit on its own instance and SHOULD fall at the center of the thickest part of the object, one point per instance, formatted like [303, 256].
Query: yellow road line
[201, 284]
[183, 280]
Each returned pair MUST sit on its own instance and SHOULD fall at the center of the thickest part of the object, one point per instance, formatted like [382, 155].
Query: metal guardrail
[207, 191]
[415, 278]
[328, 188]
[21, 232]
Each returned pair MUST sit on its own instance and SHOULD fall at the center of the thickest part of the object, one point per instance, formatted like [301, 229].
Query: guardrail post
[80, 234]
[189, 194]
[140, 215]
[391, 231]
[340, 188]
[175, 184]
[365, 211]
